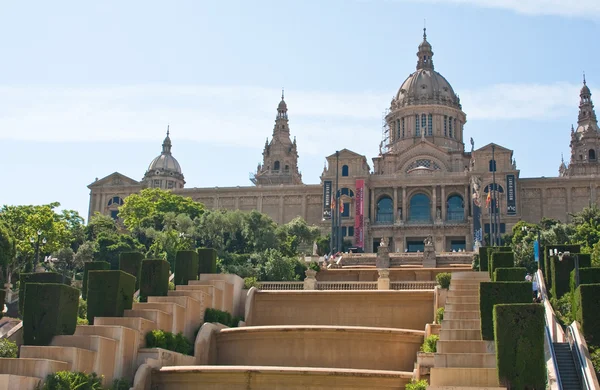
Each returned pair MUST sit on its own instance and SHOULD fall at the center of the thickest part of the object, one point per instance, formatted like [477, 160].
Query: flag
[489, 198]
[332, 203]
[341, 207]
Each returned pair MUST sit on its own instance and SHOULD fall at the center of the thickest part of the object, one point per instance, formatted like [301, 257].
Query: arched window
[450, 127]
[419, 208]
[417, 130]
[347, 192]
[344, 170]
[456, 208]
[115, 200]
[276, 166]
[397, 128]
[430, 125]
[592, 154]
[402, 127]
[492, 165]
[445, 125]
[385, 210]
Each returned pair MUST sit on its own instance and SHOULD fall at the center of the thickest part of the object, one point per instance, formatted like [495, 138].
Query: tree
[278, 267]
[109, 247]
[295, 233]
[7, 248]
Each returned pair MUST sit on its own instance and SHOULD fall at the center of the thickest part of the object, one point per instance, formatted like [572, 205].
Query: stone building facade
[423, 182]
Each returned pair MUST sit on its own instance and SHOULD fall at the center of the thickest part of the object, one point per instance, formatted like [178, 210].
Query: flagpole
[494, 200]
[489, 206]
[337, 201]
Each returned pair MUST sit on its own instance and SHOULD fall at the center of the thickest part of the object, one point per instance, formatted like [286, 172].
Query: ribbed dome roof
[165, 162]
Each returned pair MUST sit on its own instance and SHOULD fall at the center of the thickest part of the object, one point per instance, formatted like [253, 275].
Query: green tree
[278, 267]
[109, 247]
[7, 249]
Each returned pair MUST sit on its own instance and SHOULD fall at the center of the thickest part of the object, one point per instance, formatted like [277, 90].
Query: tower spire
[425, 54]
[166, 146]
[587, 115]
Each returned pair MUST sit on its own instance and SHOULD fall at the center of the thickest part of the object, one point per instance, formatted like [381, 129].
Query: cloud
[242, 116]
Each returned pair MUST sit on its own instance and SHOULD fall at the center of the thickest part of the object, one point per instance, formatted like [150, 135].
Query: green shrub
[519, 337]
[167, 340]
[50, 310]
[483, 258]
[515, 274]
[417, 385]
[475, 262]
[82, 308]
[561, 273]
[430, 343]
[250, 282]
[222, 317]
[41, 277]
[443, 279]
[82, 321]
[91, 266]
[131, 262]
[500, 260]
[2, 299]
[186, 267]
[439, 315]
[121, 384]
[494, 293]
[171, 286]
[207, 261]
[563, 308]
[8, 349]
[67, 380]
[587, 298]
[587, 275]
[155, 279]
[110, 294]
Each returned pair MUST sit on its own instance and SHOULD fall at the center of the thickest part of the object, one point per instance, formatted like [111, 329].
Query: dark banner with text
[327, 199]
[359, 219]
[511, 195]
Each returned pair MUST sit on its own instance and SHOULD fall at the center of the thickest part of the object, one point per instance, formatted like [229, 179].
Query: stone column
[404, 209]
[444, 208]
[466, 202]
[383, 256]
[372, 219]
[281, 205]
[434, 201]
[383, 283]
[304, 203]
[395, 212]
[310, 282]
[429, 260]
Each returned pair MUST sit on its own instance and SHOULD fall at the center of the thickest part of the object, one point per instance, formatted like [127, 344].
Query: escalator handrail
[553, 355]
[582, 362]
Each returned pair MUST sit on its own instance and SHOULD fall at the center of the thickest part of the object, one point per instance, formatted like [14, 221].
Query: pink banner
[359, 219]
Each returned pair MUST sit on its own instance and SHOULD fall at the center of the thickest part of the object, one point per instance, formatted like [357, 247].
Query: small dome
[165, 163]
[426, 86]
[585, 90]
[282, 106]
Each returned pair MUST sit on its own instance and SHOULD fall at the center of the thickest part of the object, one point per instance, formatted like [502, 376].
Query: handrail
[553, 356]
[585, 371]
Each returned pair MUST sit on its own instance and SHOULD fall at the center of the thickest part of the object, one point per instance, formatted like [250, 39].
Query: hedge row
[166, 340]
[110, 293]
[587, 302]
[500, 260]
[50, 309]
[207, 261]
[587, 275]
[519, 338]
[91, 266]
[485, 254]
[514, 274]
[41, 277]
[222, 317]
[186, 267]
[131, 262]
[545, 264]
[494, 293]
[154, 279]
[561, 272]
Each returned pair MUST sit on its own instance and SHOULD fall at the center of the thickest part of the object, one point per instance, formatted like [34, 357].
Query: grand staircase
[463, 360]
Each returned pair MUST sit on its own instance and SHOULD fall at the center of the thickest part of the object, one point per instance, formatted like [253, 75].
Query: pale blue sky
[88, 88]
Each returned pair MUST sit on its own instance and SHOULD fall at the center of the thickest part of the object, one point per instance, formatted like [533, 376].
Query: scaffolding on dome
[385, 133]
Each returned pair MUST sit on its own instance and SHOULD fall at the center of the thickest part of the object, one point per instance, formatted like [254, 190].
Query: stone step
[464, 377]
[465, 287]
[203, 297]
[215, 293]
[176, 311]
[128, 342]
[141, 325]
[105, 348]
[194, 311]
[460, 334]
[462, 315]
[463, 293]
[473, 360]
[465, 346]
[78, 359]
[163, 320]
[462, 307]
[464, 388]
[464, 299]
[482, 276]
[12, 382]
[37, 368]
[218, 284]
[461, 324]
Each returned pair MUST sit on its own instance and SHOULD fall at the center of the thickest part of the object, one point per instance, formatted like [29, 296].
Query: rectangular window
[346, 213]
[351, 231]
[156, 183]
[450, 127]
[402, 127]
[114, 214]
[423, 122]
[445, 125]
[397, 128]
[170, 184]
[344, 231]
[417, 132]
[430, 125]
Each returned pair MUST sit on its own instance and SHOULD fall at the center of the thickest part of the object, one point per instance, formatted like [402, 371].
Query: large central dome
[426, 86]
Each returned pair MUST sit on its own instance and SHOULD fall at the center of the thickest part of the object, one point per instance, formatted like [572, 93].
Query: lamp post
[562, 255]
[336, 212]
[37, 242]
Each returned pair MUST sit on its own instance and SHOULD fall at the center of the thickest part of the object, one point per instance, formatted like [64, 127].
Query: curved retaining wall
[409, 309]
[318, 346]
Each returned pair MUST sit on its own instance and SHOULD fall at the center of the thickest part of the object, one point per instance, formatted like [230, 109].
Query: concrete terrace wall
[371, 275]
[410, 309]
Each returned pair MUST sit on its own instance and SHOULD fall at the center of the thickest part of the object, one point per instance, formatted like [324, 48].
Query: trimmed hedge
[587, 275]
[2, 299]
[186, 267]
[131, 262]
[40, 277]
[545, 263]
[91, 266]
[154, 279]
[483, 258]
[587, 299]
[500, 260]
[166, 340]
[110, 293]
[207, 261]
[50, 310]
[494, 293]
[561, 273]
[222, 317]
[443, 279]
[519, 338]
[514, 274]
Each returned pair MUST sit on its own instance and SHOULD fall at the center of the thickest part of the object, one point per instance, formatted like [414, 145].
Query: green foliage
[110, 293]
[587, 275]
[443, 279]
[154, 279]
[67, 380]
[41, 277]
[167, 340]
[564, 308]
[171, 286]
[7, 246]
[8, 349]
[587, 298]
[417, 385]
[278, 267]
[131, 262]
[547, 268]
[50, 310]
[121, 384]
[561, 272]
[500, 260]
[494, 293]
[595, 357]
[207, 261]
[430, 343]
[323, 243]
[514, 274]
[483, 258]
[82, 321]
[222, 317]
[110, 246]
[186, 267]
[439, 315]
[82, 308]
[91, 266]
[295, 233]
[250, 282]
[519, 337]
[475, 262]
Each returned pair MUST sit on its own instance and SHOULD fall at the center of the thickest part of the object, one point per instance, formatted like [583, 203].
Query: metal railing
[581, 362]
[553, 356]
[346, 285]
[278, 286]
[420, 285]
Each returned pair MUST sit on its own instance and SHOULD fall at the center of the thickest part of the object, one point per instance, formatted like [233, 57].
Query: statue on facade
[476, 188]
[438, 214]
[383, 243]
[428, 241]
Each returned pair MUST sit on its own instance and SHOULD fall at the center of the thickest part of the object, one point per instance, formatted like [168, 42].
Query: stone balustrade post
[383, 283]
[310, 282]
[9, 292]
[383, 257]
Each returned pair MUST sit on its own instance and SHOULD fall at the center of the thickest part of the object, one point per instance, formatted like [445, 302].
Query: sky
[89, 88]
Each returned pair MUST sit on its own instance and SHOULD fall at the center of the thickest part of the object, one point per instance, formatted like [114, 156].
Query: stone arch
[384, 209]
[455, 207]
[592, 155]
[419, 206]
[405, 162]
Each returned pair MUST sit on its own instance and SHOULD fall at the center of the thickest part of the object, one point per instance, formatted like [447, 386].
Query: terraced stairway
[463, 360]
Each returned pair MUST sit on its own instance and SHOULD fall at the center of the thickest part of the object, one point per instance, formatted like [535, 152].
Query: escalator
[568, 371]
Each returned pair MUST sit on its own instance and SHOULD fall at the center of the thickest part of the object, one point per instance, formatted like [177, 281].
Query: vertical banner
[476, 198]
[359, 215]
[327, 199]
[511, 192]
[536, 250]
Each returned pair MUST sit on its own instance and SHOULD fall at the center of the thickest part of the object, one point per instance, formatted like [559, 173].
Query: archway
[419, 208]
